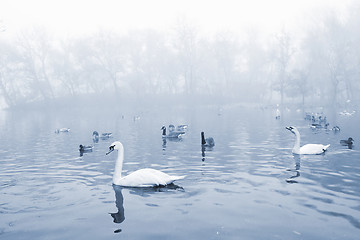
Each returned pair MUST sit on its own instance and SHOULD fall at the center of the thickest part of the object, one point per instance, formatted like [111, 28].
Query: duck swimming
[308, 148]
[349, 141]
[83, 148]
[208, 142]
[146, 177]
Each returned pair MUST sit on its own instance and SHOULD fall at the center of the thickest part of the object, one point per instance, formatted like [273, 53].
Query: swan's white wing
[147, 177]
[313, 149]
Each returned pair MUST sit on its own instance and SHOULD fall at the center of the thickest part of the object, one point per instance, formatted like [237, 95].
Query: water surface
[249, 186]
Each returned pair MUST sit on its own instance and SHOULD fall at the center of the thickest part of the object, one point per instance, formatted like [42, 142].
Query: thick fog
[313, 62]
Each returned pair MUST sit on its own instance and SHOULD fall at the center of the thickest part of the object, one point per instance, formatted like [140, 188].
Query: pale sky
[69, 17]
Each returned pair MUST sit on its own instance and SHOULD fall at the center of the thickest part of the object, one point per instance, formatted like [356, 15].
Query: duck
[172, 134]
[62, 130]
[308, 148]
[83, 148]
[146, 177]
[208, 142]
[349, 141]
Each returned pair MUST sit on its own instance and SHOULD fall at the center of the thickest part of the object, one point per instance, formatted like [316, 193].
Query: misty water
[249, 186]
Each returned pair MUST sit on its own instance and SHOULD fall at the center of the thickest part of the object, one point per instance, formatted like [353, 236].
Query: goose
[208, 142]
[172, 134]
[308, 148]
[146, 177]
[103, 136]
[349, 141]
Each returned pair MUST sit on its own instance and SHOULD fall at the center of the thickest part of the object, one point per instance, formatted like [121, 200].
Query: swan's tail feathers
[326, 147]
[174, 178]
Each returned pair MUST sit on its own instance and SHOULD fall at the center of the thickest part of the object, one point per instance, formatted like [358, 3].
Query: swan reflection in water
[296, 170]
[119, 216]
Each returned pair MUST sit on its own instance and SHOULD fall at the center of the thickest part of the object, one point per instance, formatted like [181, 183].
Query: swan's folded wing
[147, 177]
[313, 149]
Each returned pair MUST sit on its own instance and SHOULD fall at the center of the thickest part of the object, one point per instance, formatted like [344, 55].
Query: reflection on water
[296, 170]
[118, 217]
[237, 188]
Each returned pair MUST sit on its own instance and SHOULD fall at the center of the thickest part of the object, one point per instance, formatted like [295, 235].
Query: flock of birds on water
[148, 177]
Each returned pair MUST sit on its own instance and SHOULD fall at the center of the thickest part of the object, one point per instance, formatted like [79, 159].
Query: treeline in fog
[321, 67]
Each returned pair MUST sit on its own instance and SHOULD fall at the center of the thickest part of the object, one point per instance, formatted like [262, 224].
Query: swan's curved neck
[296, 148]
[118, 165]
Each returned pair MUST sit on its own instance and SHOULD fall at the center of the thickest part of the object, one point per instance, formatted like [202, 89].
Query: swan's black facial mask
[111, 148]
[290, 129]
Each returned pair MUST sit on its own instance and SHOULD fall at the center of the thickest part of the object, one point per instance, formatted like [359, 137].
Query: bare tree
[34, 46]
[283, 54]
[186, 43]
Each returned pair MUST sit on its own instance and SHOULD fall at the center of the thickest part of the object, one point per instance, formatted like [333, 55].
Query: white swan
[146, 177]
[308, 148]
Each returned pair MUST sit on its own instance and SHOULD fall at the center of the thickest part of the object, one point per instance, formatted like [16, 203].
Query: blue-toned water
[249, 186]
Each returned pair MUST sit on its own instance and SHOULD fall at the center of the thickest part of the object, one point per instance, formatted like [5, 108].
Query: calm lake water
[249, 186]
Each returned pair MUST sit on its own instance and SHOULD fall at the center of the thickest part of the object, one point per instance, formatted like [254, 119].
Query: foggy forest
[321, 66]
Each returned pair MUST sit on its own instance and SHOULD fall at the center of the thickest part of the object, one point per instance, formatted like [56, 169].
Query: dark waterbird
[208, 142]
[83, 148]
[347, 142]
